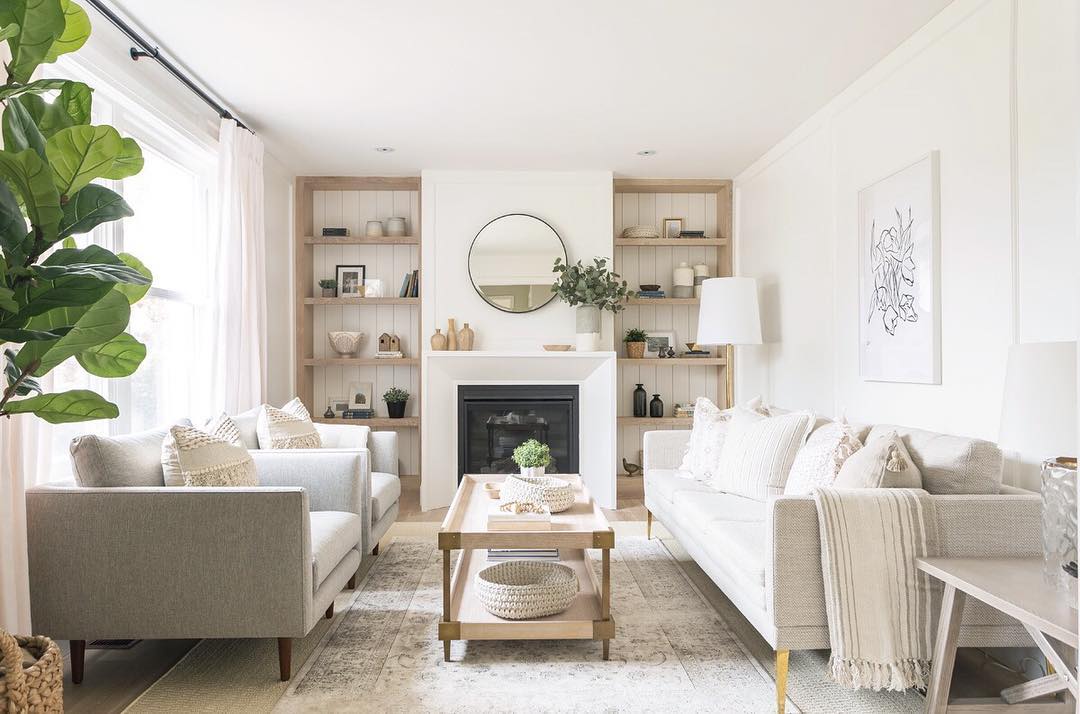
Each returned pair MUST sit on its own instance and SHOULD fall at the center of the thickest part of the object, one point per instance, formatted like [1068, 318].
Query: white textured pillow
[707, 438]
[220, 427]
[758, 452]
[207, 460]
[820, 458]
[883, 463]
[287, 428]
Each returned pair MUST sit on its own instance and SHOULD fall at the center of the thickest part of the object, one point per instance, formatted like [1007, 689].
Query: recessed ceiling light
[384, 149]
[647, 152]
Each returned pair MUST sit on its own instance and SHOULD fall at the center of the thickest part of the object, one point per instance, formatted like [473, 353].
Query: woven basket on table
[37, 688]
[555, 493]
[524, 589]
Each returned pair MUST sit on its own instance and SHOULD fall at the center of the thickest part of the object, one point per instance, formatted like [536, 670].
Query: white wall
[278, 213]
[1005, 129]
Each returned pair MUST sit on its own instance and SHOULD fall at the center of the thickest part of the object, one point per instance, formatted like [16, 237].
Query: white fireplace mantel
[593, 372]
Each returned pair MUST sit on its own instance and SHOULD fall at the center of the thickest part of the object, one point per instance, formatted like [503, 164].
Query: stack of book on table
[514, 516]
[650, 293]
[523, 553]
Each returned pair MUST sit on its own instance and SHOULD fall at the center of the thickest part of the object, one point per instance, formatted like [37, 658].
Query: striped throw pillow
[758, 452]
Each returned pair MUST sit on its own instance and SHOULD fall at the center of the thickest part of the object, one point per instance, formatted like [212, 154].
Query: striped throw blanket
[881, 610]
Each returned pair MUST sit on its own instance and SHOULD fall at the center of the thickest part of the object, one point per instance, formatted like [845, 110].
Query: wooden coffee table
[582, 526]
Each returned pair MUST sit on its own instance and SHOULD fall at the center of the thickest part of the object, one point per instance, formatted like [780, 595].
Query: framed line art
[657, 341]
[360, 395]
[351, 280]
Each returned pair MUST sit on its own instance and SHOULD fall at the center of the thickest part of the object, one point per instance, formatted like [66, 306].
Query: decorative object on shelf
[329, 413]
[373, 288]
[555, 493]
[451, 335]
[438, 341]
[526, 589]
[358, 414]
[631, 232]
[670, 352]
[629, 468]
[640, 401]
[329, 232]
[683, 410]
[389, 347]
[350, 280]
[338, 406]
[591, 289]
[360, 396]
[410, 285]
[692, 350]
[658, 342]
[510, 262]
[649, 288]
[374, 229]
[682, 281]
[345, 342]
[656, 407]
[395, 227]
[635, 343]
[691, 234]
[532, 457]
[899, 263]
[672, 227]
[558, 348]
[728, 315]
[466, 338]
[701, 274]
[396, 399]
[34, 676]
[329, 288]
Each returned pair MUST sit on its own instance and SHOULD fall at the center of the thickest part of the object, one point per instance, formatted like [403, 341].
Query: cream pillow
[707, 438]
[207, 460]
[758, 452]
[287, 428]
[820, 458]
[221, 427]
[883, 463]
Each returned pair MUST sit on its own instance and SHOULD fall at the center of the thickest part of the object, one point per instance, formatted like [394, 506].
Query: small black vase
[640, 398]
[395, 410]
[656, 406]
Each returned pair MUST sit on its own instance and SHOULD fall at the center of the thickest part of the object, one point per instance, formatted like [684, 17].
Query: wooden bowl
[558, 348]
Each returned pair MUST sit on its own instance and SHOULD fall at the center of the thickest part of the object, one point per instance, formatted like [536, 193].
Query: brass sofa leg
[78, 657]
[351, 585]
[375, 550]
[330, 611]
[648, 523]
[781, 680]
[284, 656]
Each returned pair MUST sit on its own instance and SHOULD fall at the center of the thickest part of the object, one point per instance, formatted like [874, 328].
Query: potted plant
[395, 399]
[329, 287]
[591, 289]
[635, 343]
[532, 457]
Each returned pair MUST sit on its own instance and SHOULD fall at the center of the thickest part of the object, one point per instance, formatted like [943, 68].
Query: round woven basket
[555, 493]
[640, 232]
[37, 688]
[524, 589]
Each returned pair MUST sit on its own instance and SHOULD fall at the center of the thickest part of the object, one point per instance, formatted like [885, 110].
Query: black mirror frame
[472, 246]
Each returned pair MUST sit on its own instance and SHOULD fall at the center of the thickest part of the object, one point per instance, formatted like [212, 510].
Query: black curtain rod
[145, 49]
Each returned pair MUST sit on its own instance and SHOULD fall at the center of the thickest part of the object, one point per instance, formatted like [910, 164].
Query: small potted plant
[395, 399]
[635, 343]
[532, 457]
[591, 289]
[329, 287]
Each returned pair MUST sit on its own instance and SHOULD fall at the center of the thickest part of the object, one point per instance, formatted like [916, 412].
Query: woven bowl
[345, 343]
[556, 493]
[524, 589]
[640, 232]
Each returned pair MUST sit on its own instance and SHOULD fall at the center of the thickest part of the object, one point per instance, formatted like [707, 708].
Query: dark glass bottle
[640, 396]
[656, 406]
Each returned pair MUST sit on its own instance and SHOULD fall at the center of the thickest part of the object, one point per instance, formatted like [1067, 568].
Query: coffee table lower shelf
[587, 618]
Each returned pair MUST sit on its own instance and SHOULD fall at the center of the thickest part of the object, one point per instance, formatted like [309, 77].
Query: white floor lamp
[728, 316]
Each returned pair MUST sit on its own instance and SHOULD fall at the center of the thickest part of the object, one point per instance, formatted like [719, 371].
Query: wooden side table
[1015, 586]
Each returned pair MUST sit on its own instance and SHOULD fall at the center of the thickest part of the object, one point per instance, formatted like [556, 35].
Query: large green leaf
[33, 181]
[9, 31]
[128, 162]
[20, 130]
[12, 223]
[59, 302]
[80, 154]
[103, 321]
[119, 357]
[13, 373]
[8, 334]
[133, 292]
[91, 207]
[65, 407]
[72, 107]
[36, 87]
[98, 271]
[41, 24]
[76, 31]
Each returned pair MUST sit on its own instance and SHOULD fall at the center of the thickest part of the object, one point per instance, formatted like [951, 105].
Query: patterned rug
[672, 650]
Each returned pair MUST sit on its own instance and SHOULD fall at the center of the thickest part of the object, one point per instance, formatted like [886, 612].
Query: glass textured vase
[1059, 521]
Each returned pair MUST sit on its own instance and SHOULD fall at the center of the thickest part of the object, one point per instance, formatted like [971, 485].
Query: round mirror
[510, 262]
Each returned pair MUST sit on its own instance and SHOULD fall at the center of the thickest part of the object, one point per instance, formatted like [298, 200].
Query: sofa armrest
[343, 436]
[384, 452]
[169, 562]
[664, 449]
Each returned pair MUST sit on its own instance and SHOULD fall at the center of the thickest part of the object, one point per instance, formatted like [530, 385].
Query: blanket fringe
[894, 676]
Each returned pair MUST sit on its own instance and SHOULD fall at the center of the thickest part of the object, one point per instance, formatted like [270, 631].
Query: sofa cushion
[820, 458]
[333, 535]
[248, 424]
[221, 427]
[113, 461]
[882, 463]
[758, 452]
[385, 492]
[287, 428]
[950, 464]
[204, 459]
[740, 548]
[666, 482]
[697, 511]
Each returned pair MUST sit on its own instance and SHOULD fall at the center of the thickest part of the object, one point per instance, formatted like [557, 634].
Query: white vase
[532, 471]
[588, 328]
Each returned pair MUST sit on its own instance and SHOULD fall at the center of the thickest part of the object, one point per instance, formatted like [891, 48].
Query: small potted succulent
[396, 399]
[635, 343]
[329, 287]
[532, 457]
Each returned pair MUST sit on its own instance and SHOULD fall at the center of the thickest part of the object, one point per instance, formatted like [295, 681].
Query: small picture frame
[657, 341]
[351, 280]
[672, 227]
[339, 405]
[360, 394]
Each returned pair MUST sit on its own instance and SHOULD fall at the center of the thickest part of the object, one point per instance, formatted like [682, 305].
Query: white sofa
[766, 555]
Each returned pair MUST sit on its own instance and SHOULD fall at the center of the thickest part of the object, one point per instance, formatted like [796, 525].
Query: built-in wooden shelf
[664, 301]
[674, 362]
[375, 423]
[361, 240]
[714, 242]
[361, 362]
[362, 301]
[655, 421]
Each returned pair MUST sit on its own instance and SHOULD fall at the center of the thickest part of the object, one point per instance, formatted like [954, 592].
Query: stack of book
[692, 234]
[335, 232]
[389, 354]
[358, 414]
[410, 285]
[523, 554]
[518, 517]
[650, 293]
[684, 410]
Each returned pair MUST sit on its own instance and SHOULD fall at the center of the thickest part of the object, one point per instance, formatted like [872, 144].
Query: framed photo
[339, 405]
[351, 280]
[899, 276]
[360, 395]
[657, 341]
[672, 227]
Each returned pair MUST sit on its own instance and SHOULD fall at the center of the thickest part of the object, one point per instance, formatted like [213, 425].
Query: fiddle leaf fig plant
[57, 300]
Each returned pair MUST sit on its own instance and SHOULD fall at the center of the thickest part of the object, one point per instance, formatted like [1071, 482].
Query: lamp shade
[1038, 414]
[729, 312]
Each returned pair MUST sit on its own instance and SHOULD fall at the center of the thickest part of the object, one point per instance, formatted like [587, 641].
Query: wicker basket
[524, 589]
[556, 493]
[37, 688]
[640, 232]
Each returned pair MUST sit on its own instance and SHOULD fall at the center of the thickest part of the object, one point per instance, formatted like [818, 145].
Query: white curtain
[238, 345]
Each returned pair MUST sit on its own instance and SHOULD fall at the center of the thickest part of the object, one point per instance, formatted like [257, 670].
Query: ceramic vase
[701, 274]
[373, 229]
[656, 406]
[588, 328]
[465, 338]
[640, 399]
[438, 341]
[532, 471]
[451, 335]
[395, 226]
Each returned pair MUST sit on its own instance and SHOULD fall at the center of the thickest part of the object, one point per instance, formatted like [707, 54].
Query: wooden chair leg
[351, 585]
[330, 611]
[375, 550]
[78, 658]
[648, 524]
[781, 680]
[284, 655]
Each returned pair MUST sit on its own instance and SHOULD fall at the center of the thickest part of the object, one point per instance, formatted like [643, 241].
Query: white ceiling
[509, 84]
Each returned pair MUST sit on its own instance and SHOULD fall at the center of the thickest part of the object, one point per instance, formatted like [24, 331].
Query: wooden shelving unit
[362, 240]
[361, 362]
[376, 423]
[671, 242]
[674, 363]
[655, 421]
[663, 301]
[361, 302]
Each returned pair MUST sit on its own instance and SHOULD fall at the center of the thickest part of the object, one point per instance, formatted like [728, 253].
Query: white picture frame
[655, 339]
[900, 276]
[672, 228]
[339, 405]
[360, 395]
